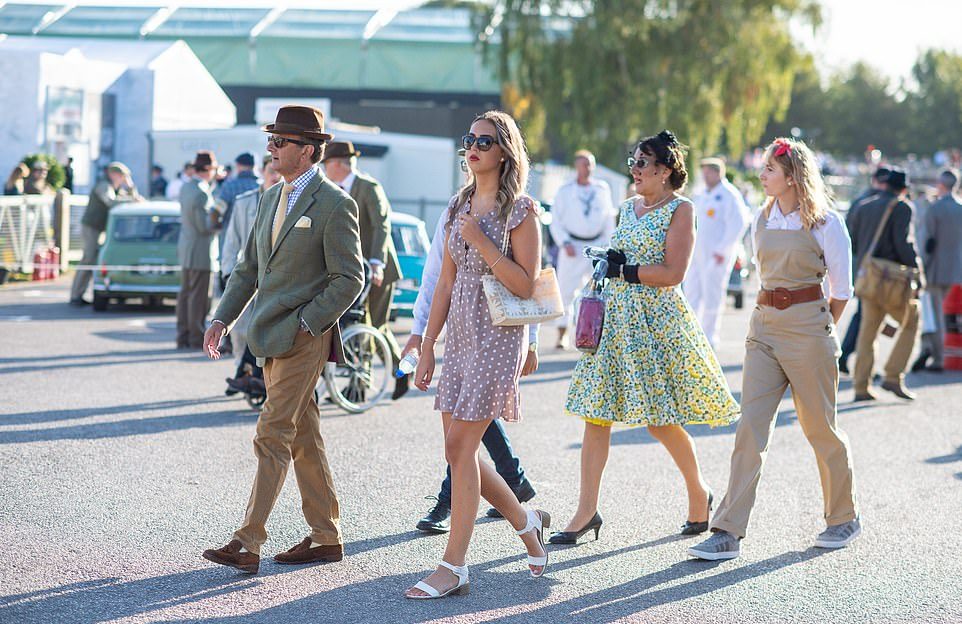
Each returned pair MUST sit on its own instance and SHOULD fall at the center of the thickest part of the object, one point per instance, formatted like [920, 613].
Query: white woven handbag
[508, 309]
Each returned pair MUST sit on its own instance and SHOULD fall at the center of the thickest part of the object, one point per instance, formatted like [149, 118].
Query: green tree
[936, 105]
[56, 176]
[607, 72]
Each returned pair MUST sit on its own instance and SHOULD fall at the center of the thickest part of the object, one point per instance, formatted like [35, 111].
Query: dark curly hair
[668, 152]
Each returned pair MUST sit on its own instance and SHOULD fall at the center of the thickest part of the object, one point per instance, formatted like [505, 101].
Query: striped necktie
[281, 212]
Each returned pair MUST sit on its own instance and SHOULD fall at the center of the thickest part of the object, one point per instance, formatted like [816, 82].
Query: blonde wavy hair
[798, 162]
[514, 169]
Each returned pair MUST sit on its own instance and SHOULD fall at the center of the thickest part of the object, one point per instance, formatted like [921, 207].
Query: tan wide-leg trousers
[794, 347]
[907, 316]
[289, 429]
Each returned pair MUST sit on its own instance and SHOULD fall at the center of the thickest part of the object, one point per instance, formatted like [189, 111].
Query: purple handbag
[591, 310]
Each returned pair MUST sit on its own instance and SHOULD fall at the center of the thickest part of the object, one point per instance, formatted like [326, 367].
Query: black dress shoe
[571, 537]
[843, 365]
[437, 520]
[697, 528]
[523, 492]
[898, 390]
[864, 396]
[934, 369]
[919, 363]
[401, 387]
[79, 301]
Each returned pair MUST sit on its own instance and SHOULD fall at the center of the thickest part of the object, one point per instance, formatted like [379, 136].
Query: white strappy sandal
[537, 521]
[460, 589]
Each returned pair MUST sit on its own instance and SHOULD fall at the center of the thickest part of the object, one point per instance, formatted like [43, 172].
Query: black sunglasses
[640, 163]
[279, 141]
[484, 142]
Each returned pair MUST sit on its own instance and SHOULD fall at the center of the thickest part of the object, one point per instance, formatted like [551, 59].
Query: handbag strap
[878, 231]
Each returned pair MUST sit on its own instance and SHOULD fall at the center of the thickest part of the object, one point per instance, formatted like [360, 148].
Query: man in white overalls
[581, 215]
[720, 220]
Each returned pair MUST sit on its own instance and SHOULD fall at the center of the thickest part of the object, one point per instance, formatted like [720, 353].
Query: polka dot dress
[482, 362]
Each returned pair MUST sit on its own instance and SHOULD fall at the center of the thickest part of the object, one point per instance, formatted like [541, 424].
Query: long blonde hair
[798, 162]
[514, 169]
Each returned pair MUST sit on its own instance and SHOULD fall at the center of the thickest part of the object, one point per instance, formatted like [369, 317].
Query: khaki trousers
[907, 316]
[288, 429]
[193, 303]
[379, 311]
[81, 279]
[794, 347]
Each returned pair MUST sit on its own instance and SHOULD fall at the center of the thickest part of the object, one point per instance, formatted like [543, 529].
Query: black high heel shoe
[571, 537]
[696, 528]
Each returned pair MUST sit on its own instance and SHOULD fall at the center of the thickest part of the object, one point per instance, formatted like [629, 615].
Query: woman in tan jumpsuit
[792, 341]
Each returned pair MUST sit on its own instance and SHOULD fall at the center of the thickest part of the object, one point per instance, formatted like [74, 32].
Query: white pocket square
[303, 222]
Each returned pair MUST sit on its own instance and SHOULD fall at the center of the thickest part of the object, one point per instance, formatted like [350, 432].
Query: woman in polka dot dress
[482, 363]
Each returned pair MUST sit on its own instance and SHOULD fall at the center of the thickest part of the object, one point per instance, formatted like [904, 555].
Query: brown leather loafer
[230, 555]
[303, 553]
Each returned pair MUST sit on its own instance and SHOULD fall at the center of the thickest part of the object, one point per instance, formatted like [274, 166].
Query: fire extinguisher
[38, 268]
[53, 261]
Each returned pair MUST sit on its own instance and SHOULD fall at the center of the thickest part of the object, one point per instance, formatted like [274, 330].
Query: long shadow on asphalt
[32, 418]
[86, 356]
[171, 356]
[134, 426]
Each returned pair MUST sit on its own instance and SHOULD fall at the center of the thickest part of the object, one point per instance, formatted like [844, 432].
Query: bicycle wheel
[362, 380]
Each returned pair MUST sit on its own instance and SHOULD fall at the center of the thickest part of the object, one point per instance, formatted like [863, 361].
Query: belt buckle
[781, 298]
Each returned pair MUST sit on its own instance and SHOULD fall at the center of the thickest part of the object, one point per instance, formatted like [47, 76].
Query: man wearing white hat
[720, 219]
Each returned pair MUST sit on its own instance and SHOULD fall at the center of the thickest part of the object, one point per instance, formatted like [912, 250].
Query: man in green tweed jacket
[303, 260]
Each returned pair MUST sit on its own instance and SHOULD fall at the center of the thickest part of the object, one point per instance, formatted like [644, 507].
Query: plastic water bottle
[407, 365]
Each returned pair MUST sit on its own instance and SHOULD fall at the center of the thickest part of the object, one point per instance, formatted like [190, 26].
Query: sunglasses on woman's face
[279, 141]
[484, 142]
[640, 163]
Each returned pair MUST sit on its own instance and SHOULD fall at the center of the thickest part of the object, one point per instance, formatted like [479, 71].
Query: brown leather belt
[782, 298]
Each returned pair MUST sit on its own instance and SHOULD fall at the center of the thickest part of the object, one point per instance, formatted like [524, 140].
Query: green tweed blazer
[314, 272]
[374, 216]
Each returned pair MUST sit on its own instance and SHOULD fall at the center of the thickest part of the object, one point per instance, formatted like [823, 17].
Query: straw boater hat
[303, 121]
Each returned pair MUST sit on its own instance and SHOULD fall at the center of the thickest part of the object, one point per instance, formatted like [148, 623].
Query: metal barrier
[31, 224]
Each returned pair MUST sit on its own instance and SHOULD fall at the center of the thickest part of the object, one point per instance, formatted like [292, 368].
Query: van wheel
[100, 302]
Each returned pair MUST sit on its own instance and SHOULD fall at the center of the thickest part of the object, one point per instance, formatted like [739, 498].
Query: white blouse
[832, 236]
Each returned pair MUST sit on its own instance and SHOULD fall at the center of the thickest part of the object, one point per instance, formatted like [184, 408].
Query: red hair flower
[782, 147]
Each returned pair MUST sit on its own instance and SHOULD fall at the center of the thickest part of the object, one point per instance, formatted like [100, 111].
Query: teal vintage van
[139, 257]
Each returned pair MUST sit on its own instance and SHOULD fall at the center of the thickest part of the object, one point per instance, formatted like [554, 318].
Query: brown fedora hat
[340, 149]
[205, 159]
[304, 121]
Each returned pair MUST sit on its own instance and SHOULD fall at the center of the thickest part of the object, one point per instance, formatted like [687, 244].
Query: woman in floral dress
[654, 365]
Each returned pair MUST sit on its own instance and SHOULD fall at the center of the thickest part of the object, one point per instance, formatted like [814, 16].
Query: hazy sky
[886, 33]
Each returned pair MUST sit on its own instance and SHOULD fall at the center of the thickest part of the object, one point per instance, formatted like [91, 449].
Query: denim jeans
[495, 440]
[851, 334]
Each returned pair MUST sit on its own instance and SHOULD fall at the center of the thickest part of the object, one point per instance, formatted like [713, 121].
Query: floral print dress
[654, 365]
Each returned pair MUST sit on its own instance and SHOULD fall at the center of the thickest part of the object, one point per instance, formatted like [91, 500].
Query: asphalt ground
[121, 460]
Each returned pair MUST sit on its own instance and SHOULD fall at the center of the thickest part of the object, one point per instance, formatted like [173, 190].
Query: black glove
[615, 260]
[631, 273]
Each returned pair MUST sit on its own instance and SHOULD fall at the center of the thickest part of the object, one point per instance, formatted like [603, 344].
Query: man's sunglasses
[484, 142]
[279, 141]
[640, 163]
